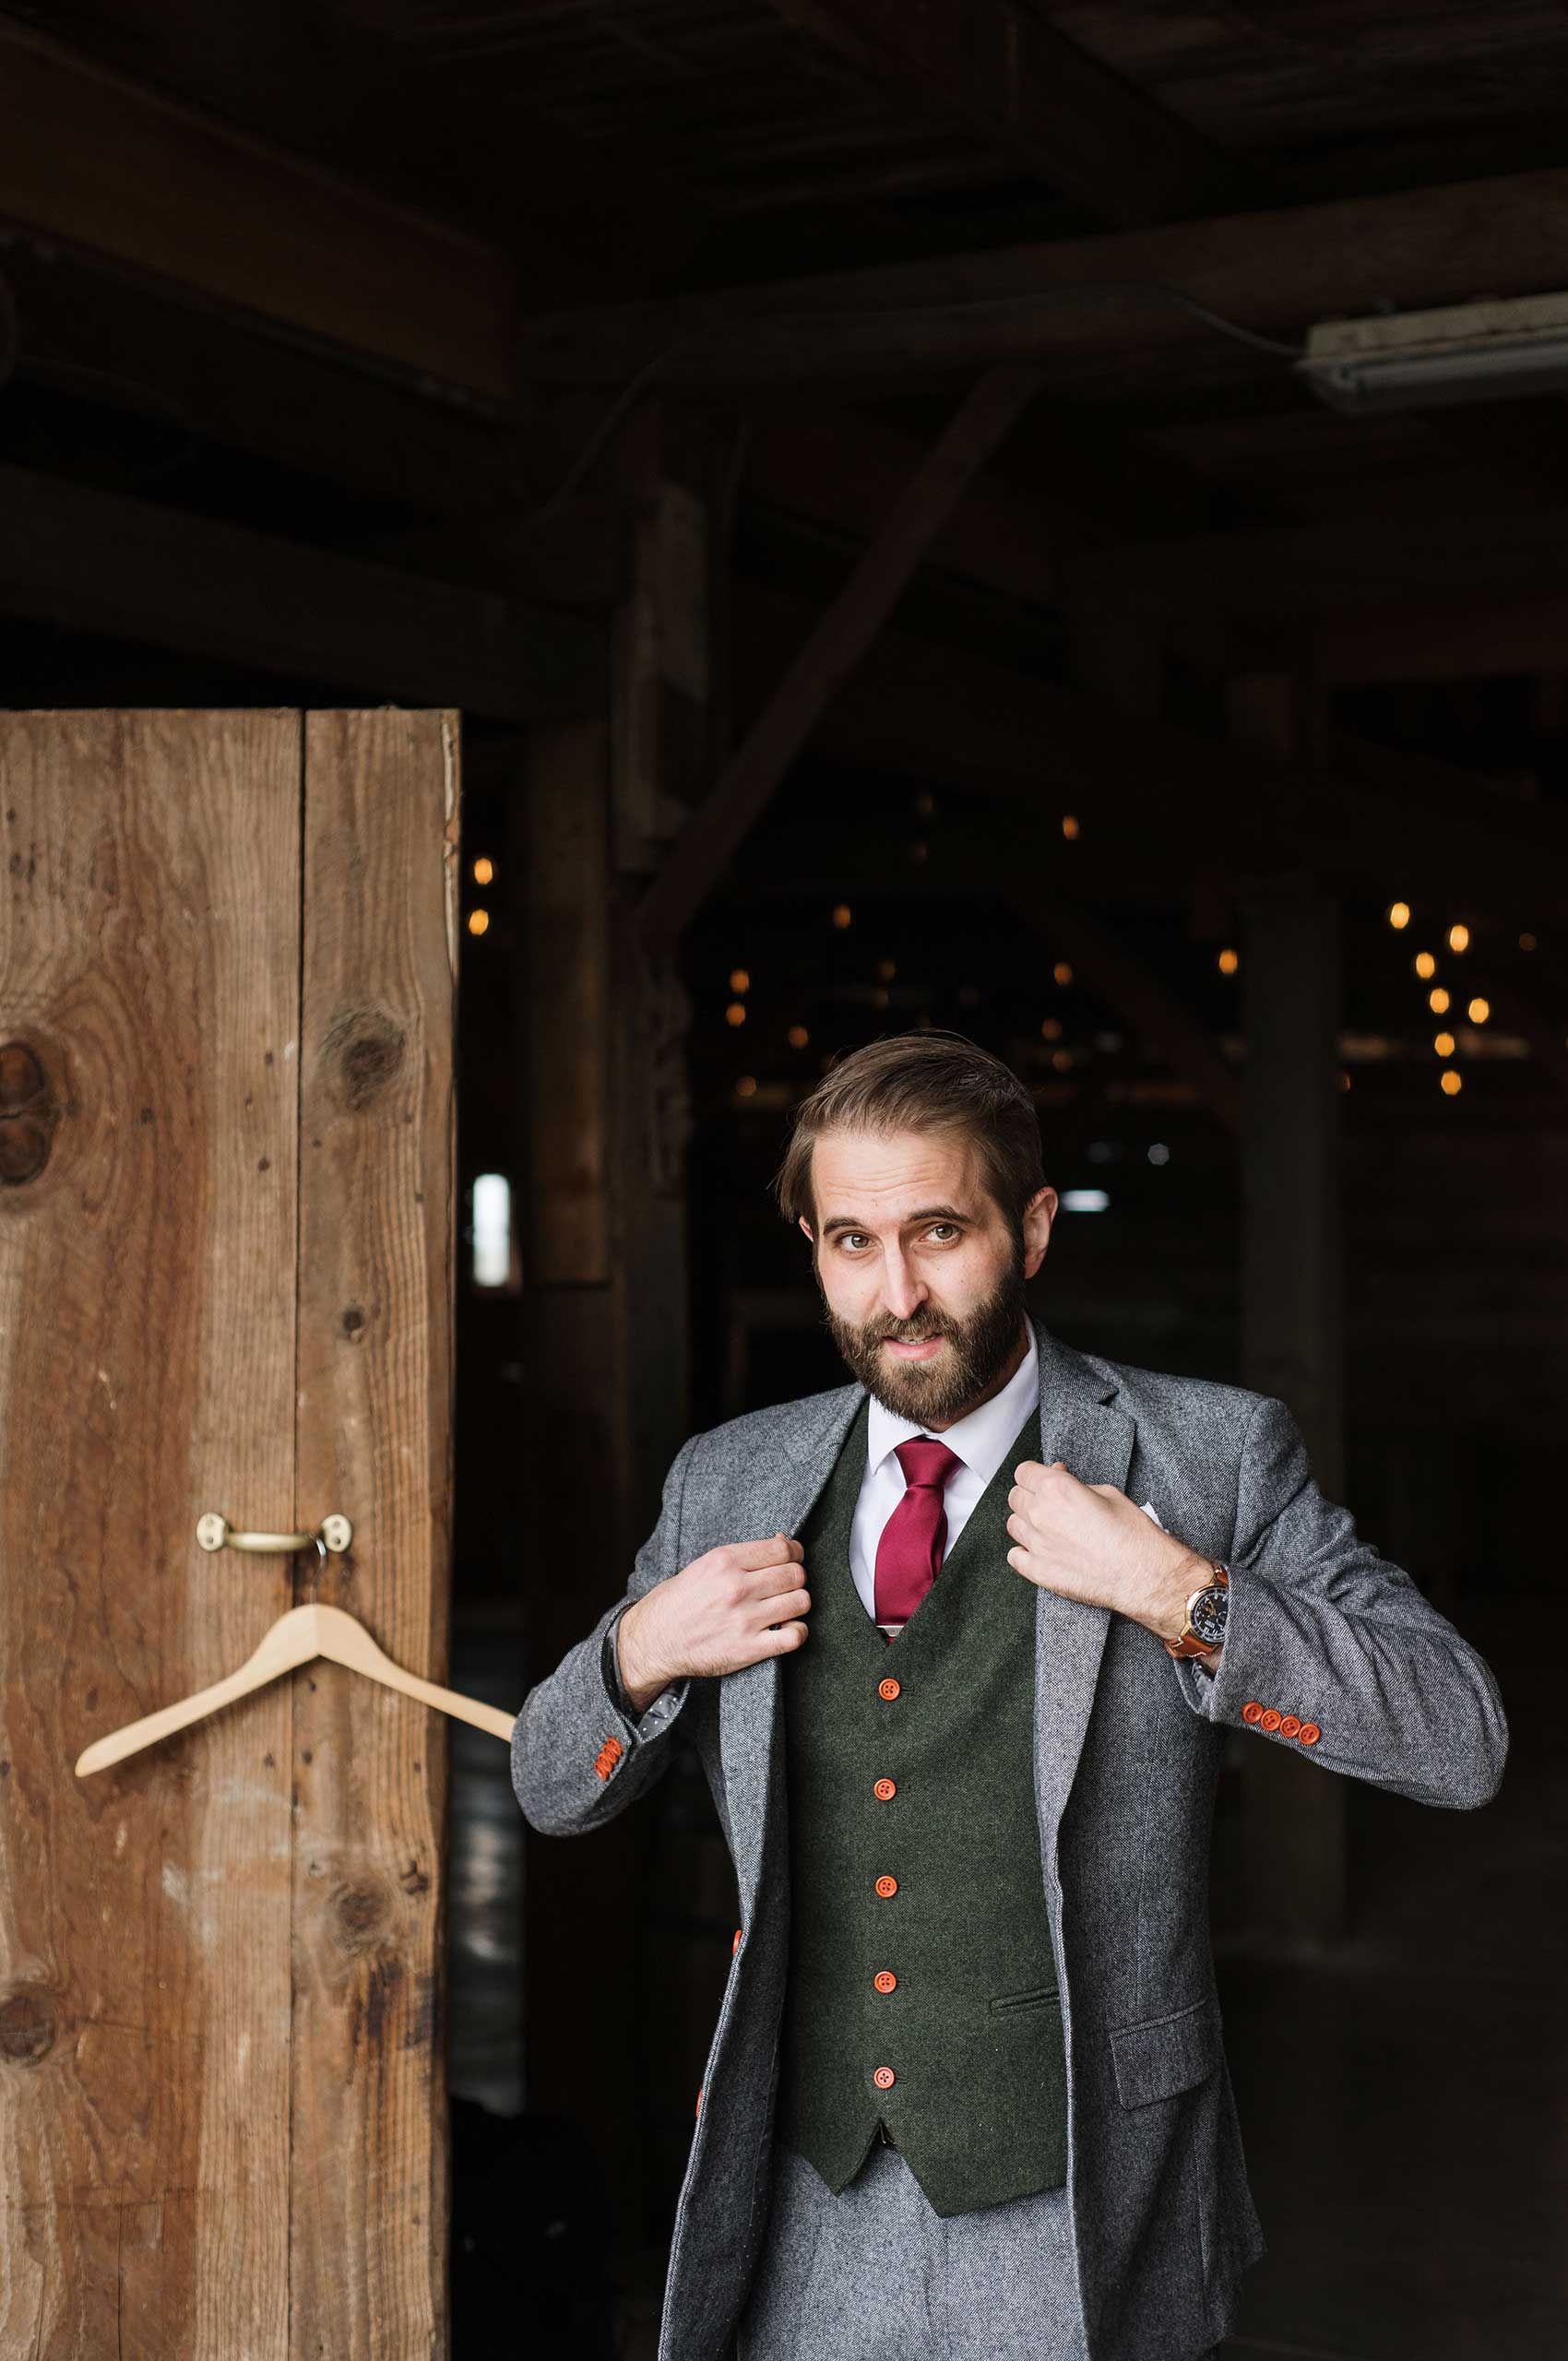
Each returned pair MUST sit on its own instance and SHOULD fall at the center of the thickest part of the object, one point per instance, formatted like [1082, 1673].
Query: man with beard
[962, 1715]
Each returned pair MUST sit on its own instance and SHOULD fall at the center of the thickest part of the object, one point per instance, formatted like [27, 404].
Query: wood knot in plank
[363, 1051]
[27, 2026]
[362, 1914]
[28, 1114]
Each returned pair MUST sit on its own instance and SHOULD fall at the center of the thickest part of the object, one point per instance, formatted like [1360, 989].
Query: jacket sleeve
[580, 1752]
[1325, 1634]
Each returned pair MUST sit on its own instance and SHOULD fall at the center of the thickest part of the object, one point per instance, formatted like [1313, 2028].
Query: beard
[955, 1380]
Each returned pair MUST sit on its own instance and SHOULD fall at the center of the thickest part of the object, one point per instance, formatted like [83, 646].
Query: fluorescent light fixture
[1469, 352]
[1085, 1201]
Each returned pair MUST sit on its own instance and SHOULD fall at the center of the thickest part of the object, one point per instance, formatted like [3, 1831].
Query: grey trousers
[874, 2274]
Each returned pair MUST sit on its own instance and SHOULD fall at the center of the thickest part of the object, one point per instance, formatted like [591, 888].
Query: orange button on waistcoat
[886, 1886]
[884, 2078]
[1309, 1733]
[888, 1689]
[1271, 1720]
[1252, 1710]
[885, 1790]
[884, 1980]
[1290, 1726]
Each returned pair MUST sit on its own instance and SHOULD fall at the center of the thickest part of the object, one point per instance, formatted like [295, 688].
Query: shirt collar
[981, 1436]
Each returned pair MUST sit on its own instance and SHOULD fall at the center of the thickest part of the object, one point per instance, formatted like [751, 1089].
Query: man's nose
[903, 1292]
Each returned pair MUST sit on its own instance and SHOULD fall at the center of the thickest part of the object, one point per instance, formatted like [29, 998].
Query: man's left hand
[1090, 1541]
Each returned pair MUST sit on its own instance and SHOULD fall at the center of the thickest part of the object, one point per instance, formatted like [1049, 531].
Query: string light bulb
[842, 914]
[736, 1013]
[796, 1036]
[485, 870]
[1458, 938]
[1069, 826]
[1444, 1044]
[479, 920]
[739, 980]
[1451, 1083]
[1398, 914]
[1063, 971]
[1437, 1001]
[1425, 965]
[1479, 1010]
[1228, 962]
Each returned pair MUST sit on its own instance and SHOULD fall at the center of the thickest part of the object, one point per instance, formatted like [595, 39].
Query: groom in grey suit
[962, 1708]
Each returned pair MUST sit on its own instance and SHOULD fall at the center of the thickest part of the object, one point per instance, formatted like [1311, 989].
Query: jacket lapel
[1079, 1426]
[783, 1493]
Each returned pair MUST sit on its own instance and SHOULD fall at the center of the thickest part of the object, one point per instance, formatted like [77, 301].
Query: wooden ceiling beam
[1458, 639]
[835, 646]
[1300, 572]
[1022, 88]
[99, 562]
[90, 158]
[1082, 303]
[147, 351]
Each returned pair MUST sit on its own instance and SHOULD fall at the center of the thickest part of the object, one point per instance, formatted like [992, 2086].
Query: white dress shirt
[981, 1439]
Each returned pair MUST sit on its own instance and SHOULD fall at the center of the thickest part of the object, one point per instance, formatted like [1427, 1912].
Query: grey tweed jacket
[1323, 1632]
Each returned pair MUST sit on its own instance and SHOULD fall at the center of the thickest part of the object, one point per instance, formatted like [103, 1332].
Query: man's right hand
[732, 1607]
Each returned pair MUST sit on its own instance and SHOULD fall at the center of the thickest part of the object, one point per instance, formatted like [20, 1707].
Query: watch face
[1209, 1611]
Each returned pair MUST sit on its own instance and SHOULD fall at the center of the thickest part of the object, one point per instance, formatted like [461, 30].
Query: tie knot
[926, 1462]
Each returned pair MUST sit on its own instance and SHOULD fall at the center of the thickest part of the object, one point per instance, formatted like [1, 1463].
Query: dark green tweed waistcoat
[971, 2028]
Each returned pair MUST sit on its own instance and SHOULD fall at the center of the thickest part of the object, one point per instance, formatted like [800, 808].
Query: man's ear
[806, 1226]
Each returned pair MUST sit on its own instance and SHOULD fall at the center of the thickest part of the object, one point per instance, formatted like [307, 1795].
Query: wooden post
[1292, 1319]
[604, 1025]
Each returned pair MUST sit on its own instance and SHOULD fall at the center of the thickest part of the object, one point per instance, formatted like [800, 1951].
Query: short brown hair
[930, 1081]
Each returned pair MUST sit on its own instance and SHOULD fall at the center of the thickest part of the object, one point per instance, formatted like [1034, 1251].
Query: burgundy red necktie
[910, 1551]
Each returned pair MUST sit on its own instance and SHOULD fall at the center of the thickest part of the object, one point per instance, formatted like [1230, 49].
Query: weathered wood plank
[149, 1119]
[378, 1225]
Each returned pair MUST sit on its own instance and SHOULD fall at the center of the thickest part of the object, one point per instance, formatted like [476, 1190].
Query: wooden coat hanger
[297, 1638]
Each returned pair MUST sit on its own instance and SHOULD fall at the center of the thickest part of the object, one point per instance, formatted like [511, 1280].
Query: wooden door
[227, 1221]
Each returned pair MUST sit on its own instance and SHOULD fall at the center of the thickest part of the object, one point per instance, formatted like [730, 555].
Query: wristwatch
[1206, 1610]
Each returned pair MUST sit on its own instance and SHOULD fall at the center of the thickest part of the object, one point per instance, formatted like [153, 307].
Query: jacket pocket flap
[1164, 2055]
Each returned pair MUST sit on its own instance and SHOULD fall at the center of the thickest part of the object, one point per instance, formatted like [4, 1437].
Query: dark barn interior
[851, 467]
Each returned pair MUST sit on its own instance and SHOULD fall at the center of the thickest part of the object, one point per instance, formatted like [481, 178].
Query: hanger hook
[320, 1560]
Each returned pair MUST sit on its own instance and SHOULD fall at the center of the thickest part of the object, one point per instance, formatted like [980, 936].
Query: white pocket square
[1149, 1509]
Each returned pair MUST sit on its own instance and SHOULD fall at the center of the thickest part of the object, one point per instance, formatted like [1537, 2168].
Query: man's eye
[846, 1234]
